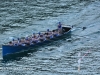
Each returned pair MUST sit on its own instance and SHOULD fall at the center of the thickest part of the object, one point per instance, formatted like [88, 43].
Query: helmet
[59, 22]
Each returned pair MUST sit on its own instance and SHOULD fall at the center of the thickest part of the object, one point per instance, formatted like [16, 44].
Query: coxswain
[60, 28]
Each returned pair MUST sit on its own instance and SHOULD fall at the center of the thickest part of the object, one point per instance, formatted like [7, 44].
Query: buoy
[84, 28]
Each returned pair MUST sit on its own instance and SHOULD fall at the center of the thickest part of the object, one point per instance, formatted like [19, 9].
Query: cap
[59, 22]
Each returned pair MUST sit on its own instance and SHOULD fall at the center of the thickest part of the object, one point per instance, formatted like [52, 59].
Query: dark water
[23, 17]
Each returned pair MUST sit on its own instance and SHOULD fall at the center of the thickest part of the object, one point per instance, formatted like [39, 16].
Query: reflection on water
[23, 17]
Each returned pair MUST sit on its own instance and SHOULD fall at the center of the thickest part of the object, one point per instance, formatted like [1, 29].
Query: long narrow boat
[7, 49]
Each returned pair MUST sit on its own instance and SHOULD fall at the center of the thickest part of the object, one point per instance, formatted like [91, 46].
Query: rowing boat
[7, 49]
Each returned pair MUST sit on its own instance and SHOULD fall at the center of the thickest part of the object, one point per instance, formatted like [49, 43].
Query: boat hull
[12, 50]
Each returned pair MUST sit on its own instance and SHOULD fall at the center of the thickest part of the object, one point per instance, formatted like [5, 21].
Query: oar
[79, 61]
[85, 54]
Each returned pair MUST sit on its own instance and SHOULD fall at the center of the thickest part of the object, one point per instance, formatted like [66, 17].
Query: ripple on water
[21, 18]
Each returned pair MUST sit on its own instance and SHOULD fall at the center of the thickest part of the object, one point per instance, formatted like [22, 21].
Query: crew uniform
[60, 28]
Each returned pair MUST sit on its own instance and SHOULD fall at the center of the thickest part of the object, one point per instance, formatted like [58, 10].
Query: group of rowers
[36, 38]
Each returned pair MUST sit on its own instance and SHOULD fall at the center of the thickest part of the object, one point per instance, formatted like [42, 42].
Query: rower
[18, 40]
[50, 33]
[41, 38]
[21, 42]
[27, 41]
[47, 36]
[38, 35]
[10, 43]
[33, 34]
[56, 33]
[35, 39]
[14, 42]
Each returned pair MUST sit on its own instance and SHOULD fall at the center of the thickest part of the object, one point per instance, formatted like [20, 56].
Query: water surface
[22, 18]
